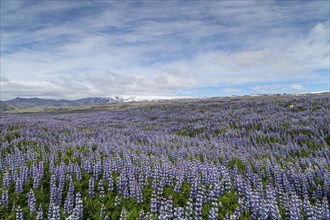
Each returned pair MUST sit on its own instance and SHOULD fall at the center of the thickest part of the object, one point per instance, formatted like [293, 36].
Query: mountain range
[30, 103]
[37, 104]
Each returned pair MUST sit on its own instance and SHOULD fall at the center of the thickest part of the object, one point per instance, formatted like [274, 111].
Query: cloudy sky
[75, 49]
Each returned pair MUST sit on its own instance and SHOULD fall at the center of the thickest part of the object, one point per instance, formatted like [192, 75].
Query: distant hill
[28, 103]
[103, 103]
[5, 107]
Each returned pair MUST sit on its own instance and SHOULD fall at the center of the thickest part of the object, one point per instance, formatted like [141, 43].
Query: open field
[264, 157]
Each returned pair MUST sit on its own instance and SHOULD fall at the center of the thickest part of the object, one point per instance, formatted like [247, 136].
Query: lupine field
[229, 158]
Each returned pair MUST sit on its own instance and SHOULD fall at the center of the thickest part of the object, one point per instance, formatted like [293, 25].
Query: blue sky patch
[76, 49]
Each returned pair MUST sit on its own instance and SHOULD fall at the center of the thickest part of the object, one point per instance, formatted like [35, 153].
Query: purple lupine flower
[125, 193]
[178, 213]
[50, 211]
[19, 213]
[117, 201]
[178, 185]
[307, 208]
[31, 202]
[273, 210]
[139, 196]
[318, 194]
[123, 214]
[213, 213]
[318, 212]
[18, 186]
[169, 207]
[56, 213]
[199, 205]
[102, 211]
[6, 179]
[69, 201]
[91, 188]
[5, 199]
[189, 210]
[325, 208]
[87, 167]
[100, 188]
[53, 189]
[79, 208]
[226, 182]
[40, 213]
[193, 190]
[295, 207]
[218, 190]
[153, 204]
[78, 173]
[110, 183]
[141, 181]
[162, 206]
[142, 215]
[263, 210]
[163, 216]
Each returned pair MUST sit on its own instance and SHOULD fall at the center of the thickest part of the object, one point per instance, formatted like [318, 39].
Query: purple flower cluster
[261, 158]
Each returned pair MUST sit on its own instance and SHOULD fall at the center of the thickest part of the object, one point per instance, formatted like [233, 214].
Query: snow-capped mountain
[26, 103]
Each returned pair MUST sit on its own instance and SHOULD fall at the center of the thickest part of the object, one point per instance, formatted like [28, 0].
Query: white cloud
[230, 90]
[266, 64]
[158, 49]
[44, 89]
[275, 89]
[297, 87]
[268, 89]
